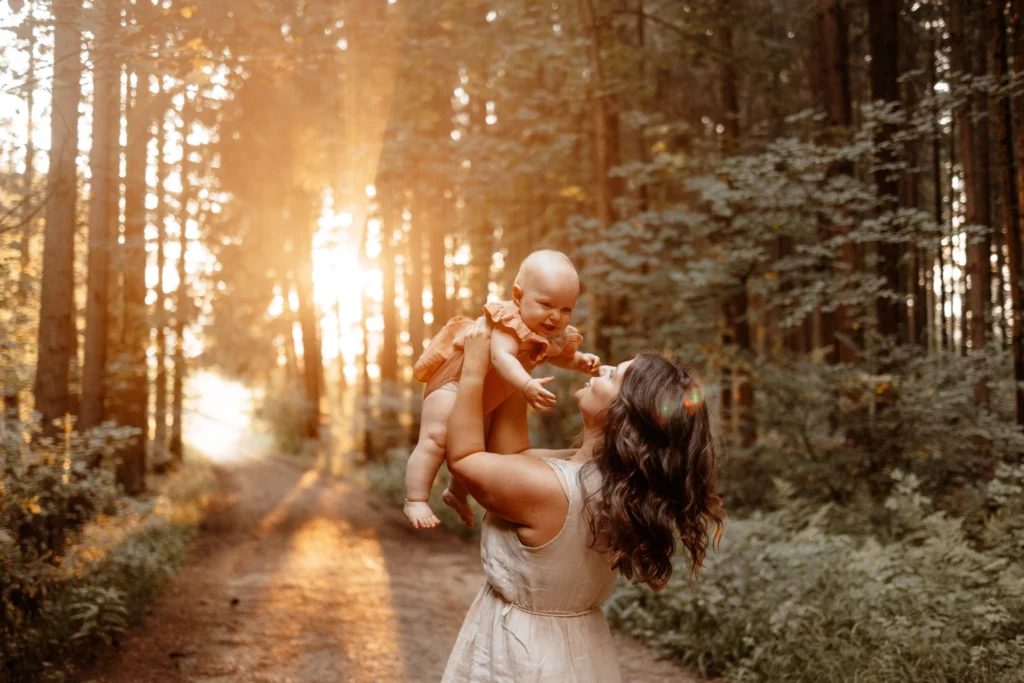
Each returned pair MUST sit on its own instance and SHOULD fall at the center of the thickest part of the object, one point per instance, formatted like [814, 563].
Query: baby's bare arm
[586, 363]
[565, 362]
[504, 348]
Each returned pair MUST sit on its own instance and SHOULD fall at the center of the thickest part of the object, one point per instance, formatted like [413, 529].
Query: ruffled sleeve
[506, 315]
[570, 341]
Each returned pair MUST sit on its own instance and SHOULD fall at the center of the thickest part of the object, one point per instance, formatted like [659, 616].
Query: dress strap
[568, 474]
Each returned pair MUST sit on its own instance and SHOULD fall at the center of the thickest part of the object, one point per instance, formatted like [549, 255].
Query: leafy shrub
[836, 432]
[285, 409]
[785, 600]
[77, 561]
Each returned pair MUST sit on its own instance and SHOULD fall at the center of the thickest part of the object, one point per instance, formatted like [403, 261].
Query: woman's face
[597, 394]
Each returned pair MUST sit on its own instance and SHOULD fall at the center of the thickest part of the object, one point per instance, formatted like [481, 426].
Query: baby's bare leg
[427, 457]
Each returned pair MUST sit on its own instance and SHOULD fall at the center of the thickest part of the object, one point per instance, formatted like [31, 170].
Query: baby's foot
[420, 515]
[460, 505]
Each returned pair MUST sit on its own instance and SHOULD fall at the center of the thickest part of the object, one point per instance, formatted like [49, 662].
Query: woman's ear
[517, 294]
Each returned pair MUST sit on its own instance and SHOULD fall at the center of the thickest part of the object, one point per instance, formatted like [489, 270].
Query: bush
[285, 409]
[786, 600]
[836, 432]
[77, 561]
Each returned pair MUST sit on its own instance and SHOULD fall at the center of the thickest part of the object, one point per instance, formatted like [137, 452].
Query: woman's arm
[510, 432]
[517, 488]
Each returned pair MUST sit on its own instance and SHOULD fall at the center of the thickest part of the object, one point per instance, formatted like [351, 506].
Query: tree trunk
[28, 179]
[1014, 231]
[735, 309]
[913, 269]
[414, 289]
[957, 286]
[481, 249]
[365, 388]
[973, 142]
[312, 363]
[389, 311]
[883, 29]
[291, 354]
[103, 215]
[131, 401]
[835, 45]
[182, 303]
[940, 218]
[414, 279]
[439, 306]
[12, 382]
[601, 156]
[160, 454]
[56, 311]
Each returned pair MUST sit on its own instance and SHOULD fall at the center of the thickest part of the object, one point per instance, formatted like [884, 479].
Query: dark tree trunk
[601, 160]
[56, 312]
[735, 311]
[1012, 146]
[12, 382]
[312, 363]
[389, 311]
[160, 314]
[439, 306]
[28, 179]
[414, 280]
[957, 286]
[103, 216]
[973, 142]
[883, 29]
[414, 288]
[182, 303]
[913, 270]
[937, 177]
[131, 401]
[365, 388]
[834, 29]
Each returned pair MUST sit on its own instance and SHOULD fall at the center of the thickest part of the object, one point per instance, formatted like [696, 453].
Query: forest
[818, 205]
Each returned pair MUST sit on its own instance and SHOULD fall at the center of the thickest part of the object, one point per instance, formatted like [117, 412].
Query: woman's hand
[477, 354]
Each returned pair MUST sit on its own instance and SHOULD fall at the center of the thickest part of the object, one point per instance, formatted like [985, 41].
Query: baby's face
[546, 302]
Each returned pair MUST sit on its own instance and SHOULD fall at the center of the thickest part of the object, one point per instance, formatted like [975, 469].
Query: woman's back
[539, 616]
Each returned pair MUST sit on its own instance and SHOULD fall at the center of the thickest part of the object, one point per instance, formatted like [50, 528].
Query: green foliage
[784, 599]
[77, 561]
[285, 411]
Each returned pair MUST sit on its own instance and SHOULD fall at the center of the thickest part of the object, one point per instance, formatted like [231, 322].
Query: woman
[560, 524]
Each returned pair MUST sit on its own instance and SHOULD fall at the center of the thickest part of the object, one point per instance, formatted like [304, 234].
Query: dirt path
[299, 577]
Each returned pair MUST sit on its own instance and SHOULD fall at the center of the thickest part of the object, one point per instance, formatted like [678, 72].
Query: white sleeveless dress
[538, 617]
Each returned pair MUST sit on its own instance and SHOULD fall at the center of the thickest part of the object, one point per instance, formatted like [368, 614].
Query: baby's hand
[539, 397]
[590, 364]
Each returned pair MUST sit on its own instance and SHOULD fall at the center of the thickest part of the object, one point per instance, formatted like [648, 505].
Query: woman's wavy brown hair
[658, 479]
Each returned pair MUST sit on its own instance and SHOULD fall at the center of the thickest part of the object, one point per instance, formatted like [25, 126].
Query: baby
[531, 329]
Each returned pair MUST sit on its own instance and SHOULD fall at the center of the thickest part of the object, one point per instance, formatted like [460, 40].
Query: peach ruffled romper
[441, 363]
